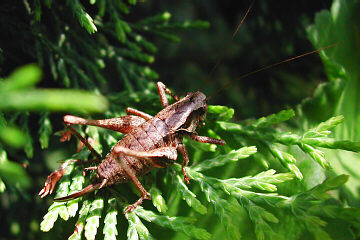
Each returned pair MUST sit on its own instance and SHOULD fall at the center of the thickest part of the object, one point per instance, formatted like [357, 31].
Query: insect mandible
[149, 142]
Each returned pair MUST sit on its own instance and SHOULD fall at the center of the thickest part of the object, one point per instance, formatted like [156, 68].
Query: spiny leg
[85, 142]
[168, 152]
[205, 139]
[120, 124]
[144, 194]
[91, 168]
[56, 175]
[183, 151]
[139, 113]
[90, 188]
[202, 139]
[103, 182]
[162, 89]
[52, 179]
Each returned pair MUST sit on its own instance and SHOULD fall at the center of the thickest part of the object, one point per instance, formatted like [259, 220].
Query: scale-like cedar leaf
[158, 200]
[275, 118]
[136, 228]
[175, 223]
[221, 160]
[93, 218]
[187, 195]
[110, 221]
[45, 131]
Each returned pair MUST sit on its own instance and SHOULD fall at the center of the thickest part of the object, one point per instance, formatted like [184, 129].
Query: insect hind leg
[120, 124]
[168, 152]
[132, 175]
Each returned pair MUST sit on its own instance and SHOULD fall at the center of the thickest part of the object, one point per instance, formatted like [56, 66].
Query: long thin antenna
[219, 60]
[271, 66]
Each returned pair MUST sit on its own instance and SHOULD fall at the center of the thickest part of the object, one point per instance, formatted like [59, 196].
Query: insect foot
[50, 182]
[65, 136]
[137, 203]
[52, 179]
[186, 178]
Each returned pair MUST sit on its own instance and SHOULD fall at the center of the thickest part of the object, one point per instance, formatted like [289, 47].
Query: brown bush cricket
[149, 142]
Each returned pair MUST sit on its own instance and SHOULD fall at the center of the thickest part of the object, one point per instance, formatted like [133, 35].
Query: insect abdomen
[147, 136]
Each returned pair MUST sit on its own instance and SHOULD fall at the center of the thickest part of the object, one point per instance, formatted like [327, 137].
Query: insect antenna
[221, 57]
[219, 60]
[271, 66]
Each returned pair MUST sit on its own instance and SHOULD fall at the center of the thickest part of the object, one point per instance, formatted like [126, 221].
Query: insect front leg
[202, 139]
[183, 151]
[162, 89]
[205, 139]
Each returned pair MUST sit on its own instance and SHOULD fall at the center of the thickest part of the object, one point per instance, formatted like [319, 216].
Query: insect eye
[205, 108]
